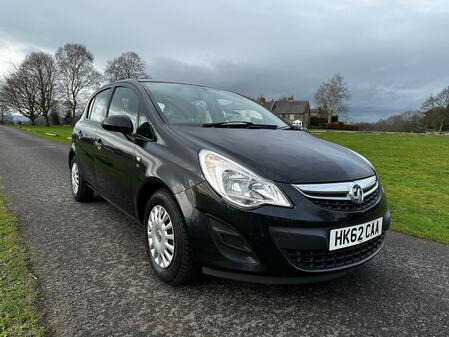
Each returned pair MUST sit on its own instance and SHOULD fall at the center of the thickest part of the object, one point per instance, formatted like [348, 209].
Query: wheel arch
[71, 153]
[148, 188]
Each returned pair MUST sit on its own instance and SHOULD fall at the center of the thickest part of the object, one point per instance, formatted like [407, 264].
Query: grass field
[63, 132]
[18, 314]
[414, 171]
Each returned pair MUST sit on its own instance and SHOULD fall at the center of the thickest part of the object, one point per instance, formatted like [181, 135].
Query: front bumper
[268, 279]
[257, 244]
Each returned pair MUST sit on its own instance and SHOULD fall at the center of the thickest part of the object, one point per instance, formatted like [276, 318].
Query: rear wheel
[80, 190]
[168, 246]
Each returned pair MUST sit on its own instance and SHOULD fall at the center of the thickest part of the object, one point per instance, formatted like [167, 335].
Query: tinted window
[98, 106]
[125, 102]
[191, 104]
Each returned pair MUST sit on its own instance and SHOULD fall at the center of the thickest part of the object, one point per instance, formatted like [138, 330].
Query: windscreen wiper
[291, 127]
[239, 124]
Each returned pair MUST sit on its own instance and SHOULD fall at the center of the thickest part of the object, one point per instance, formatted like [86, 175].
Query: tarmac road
[95, 280]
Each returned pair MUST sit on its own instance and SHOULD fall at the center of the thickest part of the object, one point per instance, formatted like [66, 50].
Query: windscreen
[196, 105]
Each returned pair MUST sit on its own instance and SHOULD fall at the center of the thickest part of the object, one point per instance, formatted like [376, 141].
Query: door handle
[138, 159]
[98, 143]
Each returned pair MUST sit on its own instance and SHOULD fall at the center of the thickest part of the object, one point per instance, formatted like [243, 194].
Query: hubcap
[75, 178]
[161, 239]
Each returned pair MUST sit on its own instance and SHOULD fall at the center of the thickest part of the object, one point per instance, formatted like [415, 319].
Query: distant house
[289, 109]
[316, 112]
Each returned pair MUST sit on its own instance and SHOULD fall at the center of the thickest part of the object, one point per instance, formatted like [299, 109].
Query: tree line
[44, 83]
[332, 98]
[433, 115]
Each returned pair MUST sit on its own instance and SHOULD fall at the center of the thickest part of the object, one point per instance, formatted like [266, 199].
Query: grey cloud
[391, 53]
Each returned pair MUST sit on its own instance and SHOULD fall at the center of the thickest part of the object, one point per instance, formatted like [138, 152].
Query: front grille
[348, 205]
[322, 260]
[341, 196]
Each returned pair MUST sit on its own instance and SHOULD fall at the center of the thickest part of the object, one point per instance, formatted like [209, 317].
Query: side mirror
[118, 123]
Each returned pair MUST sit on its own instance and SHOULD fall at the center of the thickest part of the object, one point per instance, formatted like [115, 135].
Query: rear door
[115, 160]
[86, 130]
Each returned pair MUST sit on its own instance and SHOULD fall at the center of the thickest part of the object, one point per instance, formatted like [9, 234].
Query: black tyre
[168, 246]
[80, 190]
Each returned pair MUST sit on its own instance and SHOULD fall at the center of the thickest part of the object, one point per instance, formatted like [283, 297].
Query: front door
[115, 159]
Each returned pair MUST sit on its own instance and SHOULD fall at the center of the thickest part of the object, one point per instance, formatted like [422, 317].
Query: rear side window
[98, 106]
[125, 102]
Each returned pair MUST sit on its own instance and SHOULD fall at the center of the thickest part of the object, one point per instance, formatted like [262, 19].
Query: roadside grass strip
[18, 293]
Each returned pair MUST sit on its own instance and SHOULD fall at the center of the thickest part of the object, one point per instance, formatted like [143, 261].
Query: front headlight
[239, 185]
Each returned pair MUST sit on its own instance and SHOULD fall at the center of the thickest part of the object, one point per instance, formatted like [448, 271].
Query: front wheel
[168, 246]
[80, 190]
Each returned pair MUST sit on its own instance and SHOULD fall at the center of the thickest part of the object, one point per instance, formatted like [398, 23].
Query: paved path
[94, 277]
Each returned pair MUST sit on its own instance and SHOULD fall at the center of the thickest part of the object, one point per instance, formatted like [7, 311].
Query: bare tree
[438, 108]
[127, 65]
[76, 74]
[332, 97]
[43, 71]
[432, 113]
[19, 92]
[443, 107]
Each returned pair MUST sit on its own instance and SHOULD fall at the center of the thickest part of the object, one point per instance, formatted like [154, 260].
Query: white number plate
[354, 235]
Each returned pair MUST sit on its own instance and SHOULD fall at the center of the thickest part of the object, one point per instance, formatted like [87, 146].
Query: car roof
[143, 80]
[136, 81]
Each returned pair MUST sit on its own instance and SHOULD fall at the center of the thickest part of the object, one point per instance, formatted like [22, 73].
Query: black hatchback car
[224, 186]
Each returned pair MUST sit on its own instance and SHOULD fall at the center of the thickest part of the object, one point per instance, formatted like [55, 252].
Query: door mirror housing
[118, 123]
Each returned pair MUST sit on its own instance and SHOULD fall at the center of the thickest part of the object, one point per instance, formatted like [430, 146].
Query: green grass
[414, 171]
[18, 314]
[63, 132]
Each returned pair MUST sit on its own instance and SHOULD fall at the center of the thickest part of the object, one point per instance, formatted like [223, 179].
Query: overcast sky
[391, 53]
